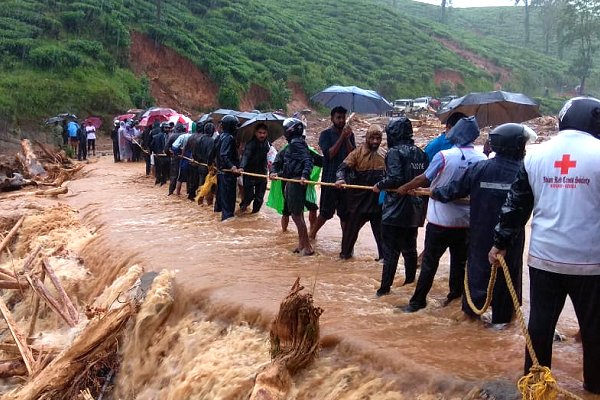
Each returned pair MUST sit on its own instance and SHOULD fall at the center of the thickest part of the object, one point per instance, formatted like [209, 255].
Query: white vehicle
[402, 106]
[421, 103]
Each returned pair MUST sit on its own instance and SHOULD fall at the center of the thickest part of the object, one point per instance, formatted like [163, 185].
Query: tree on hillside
[527, 4]
[581, 21]
[445, 4]
[549, 13]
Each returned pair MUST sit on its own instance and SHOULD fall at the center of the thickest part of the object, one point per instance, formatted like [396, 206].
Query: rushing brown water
[237, 272]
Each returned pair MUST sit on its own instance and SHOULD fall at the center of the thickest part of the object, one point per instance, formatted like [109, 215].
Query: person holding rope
[204, 153]
[174, 158]
[295, 163]
[487, 183]
[161, 160]
[447, 224]
[336, 143]
[560, 184]
[402, 214]
[254, 160]
[227, 158]
[364, 166]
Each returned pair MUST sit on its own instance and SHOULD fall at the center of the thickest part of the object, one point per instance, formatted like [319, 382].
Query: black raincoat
[488, 183]
[403, 162]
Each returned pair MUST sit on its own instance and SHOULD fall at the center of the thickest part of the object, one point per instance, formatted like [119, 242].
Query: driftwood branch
[11, 234]
[40, 289]
[64, 298]
[294, 344]
[36, 310]
[19, 338]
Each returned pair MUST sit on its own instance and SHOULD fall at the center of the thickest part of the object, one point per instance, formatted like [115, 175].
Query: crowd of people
[476, 207]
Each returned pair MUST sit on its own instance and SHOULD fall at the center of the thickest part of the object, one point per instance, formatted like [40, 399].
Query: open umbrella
[160, 114]
[274, 123]
[218, 115]
[181, 119]
[353, 99]
[96, 121]
[492, 108]
[60, 118]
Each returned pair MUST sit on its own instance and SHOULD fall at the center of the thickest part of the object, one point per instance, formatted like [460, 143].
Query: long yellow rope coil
[538, 384]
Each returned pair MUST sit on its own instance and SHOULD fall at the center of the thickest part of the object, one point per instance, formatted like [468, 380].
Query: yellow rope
[538, 384]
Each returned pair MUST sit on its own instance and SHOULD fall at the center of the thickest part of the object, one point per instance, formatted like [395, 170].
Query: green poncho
[275, 200]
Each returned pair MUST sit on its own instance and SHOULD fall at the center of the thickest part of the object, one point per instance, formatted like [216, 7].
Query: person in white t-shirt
[560, 183]
[90, 131]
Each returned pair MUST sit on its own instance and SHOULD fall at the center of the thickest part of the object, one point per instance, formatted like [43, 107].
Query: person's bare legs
[312, 218]
[178, 189]
[285, 220]
[303, 242]
[316, 226]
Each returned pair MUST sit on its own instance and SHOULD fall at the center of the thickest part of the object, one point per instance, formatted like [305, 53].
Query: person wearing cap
[487, 183]
[559, 183]
[447, 223]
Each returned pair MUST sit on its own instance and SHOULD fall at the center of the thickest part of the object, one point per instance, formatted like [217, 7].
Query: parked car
[402, 107]
[422, 102]
[447, 99]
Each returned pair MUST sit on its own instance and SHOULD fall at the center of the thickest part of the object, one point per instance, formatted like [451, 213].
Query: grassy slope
[72, 56]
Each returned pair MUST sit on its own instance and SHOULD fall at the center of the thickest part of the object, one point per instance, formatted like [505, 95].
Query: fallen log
[98, 337]
[49, 192]
[16, 182]
[11, 285]
[11, 234]
[294, 340]
[40, 289]
[10, 368]
[19, 338]
[30, 163]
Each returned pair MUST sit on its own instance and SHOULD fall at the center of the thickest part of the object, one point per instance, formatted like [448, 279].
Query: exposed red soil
[501, 75]
[447, 75]
[174, 80]
[253, 97]
[299, 99]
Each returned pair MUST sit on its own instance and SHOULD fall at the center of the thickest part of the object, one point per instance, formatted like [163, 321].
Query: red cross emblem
[565, 164]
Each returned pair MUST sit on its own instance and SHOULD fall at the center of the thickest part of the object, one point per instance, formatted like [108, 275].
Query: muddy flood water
[232, 277]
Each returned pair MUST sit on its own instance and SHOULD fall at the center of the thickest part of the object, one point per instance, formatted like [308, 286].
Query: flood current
[232, 277]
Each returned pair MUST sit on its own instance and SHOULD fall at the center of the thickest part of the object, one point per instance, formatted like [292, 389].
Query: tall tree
[581, 21]
[445, 5]
[527, 4]
[549, 13]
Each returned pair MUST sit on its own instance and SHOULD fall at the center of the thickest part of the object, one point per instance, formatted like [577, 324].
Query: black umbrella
[218, 115]
[492, 108]
[274, 123]
[60, 118]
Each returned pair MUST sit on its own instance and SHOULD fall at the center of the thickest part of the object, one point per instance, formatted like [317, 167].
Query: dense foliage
[62, 55]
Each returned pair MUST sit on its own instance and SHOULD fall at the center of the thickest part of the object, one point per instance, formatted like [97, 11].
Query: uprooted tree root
[294, 344]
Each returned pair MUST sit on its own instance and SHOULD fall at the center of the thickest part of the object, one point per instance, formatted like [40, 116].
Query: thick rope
[538, 384]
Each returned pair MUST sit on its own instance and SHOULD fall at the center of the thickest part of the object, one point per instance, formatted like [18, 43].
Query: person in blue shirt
[441, 142]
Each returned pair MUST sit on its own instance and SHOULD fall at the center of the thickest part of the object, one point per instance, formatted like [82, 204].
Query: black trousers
[226, 186]
[91, 146]
[161, 166]
[354, 224]
[548, 292]
[116, 152]
[254, 192]
[82, 150]
[193, 181]
[148, 165]
[437, 240]
[173, 173]
[397, 240]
